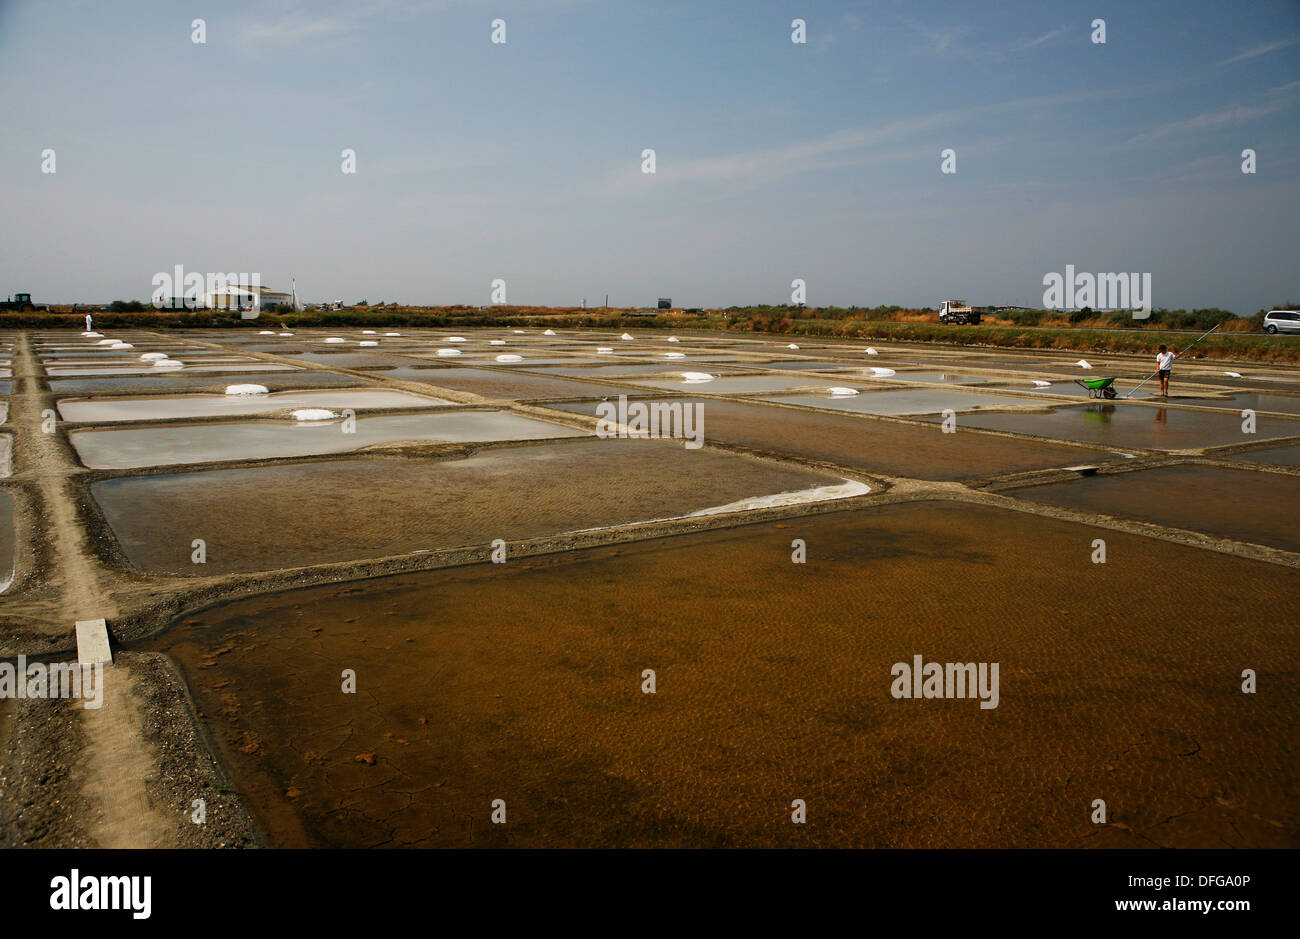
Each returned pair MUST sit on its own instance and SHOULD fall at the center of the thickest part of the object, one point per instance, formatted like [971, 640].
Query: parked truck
[959, 313]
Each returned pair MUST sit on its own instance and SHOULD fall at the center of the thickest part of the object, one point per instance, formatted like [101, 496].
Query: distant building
[245, 296]
[665, 303]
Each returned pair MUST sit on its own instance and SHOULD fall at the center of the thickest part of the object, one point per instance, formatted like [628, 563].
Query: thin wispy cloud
[1256, 51]
[1046, 37]
[1210, 120]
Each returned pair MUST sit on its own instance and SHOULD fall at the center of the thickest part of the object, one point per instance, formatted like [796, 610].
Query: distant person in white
[1165, 363]
[89, 327]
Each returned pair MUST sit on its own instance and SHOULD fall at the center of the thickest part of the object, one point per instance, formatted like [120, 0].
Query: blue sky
[775, 161]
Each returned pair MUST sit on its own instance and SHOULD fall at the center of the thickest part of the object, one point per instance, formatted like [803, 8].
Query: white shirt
[1164, 360]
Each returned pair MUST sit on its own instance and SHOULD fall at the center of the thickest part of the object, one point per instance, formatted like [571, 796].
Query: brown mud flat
[288, 515]
[883, 447]
[522, 682]
[1260, 508]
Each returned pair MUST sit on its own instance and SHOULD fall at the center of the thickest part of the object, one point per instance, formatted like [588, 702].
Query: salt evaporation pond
[1282, 456]
[921, 452]
[174, 382]
[6, 455]
[254, 518]
[522, 679]
[502, 384]
[920, 401]
[742, 384]
[1135, 425]
[940, 377]
[621, 371]
[8, 541]
[176, 406]
[132, 447]
[150, 370]
[1260, 508]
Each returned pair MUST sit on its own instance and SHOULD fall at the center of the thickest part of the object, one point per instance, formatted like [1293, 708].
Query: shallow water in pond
[255, 518]
[618, 371]
[152, 370]
[920, 452]
[522, 681]
[743, 384]
[176, 381]
[175, 406]
[1282, 456]
[1136, 425]
[900, 403]
[502, 384]
[8, 539]
[1260, 508]
[132, 447]
[944, 377]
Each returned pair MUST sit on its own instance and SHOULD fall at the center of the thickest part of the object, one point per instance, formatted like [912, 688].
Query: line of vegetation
[1084, 331]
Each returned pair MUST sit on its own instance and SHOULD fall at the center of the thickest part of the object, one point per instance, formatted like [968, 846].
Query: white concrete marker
[92, 642]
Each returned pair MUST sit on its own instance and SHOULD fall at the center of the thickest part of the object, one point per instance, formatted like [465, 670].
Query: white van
[1282, 321]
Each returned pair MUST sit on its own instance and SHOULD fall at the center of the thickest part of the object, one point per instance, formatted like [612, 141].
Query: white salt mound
[882, 372]
[121, 345]
[839, 392]
[792, 346]
[625, 336]
[456, 339]
[519, 331]
[367, 342]
[604, 350]
[549, 332]
[870, 351]
[168, 363]
[106, 342]
[266, 332]
[1042, 384]
[496, 342]
[446, 352]
[92, 335]
[392, 334]
[1083, 363]
[335, 339]
[247, 390]
[312, 414]
[697, 376]
[1233, 374]
[673, 339]
[367, 332]
[508, 357]
[675, 355]
[145, 357]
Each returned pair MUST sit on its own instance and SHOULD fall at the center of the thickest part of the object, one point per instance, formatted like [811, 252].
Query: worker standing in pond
[89, 323]
[1165, 364]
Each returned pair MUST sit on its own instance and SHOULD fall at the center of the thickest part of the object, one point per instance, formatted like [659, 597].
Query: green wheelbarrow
[1098, 387]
